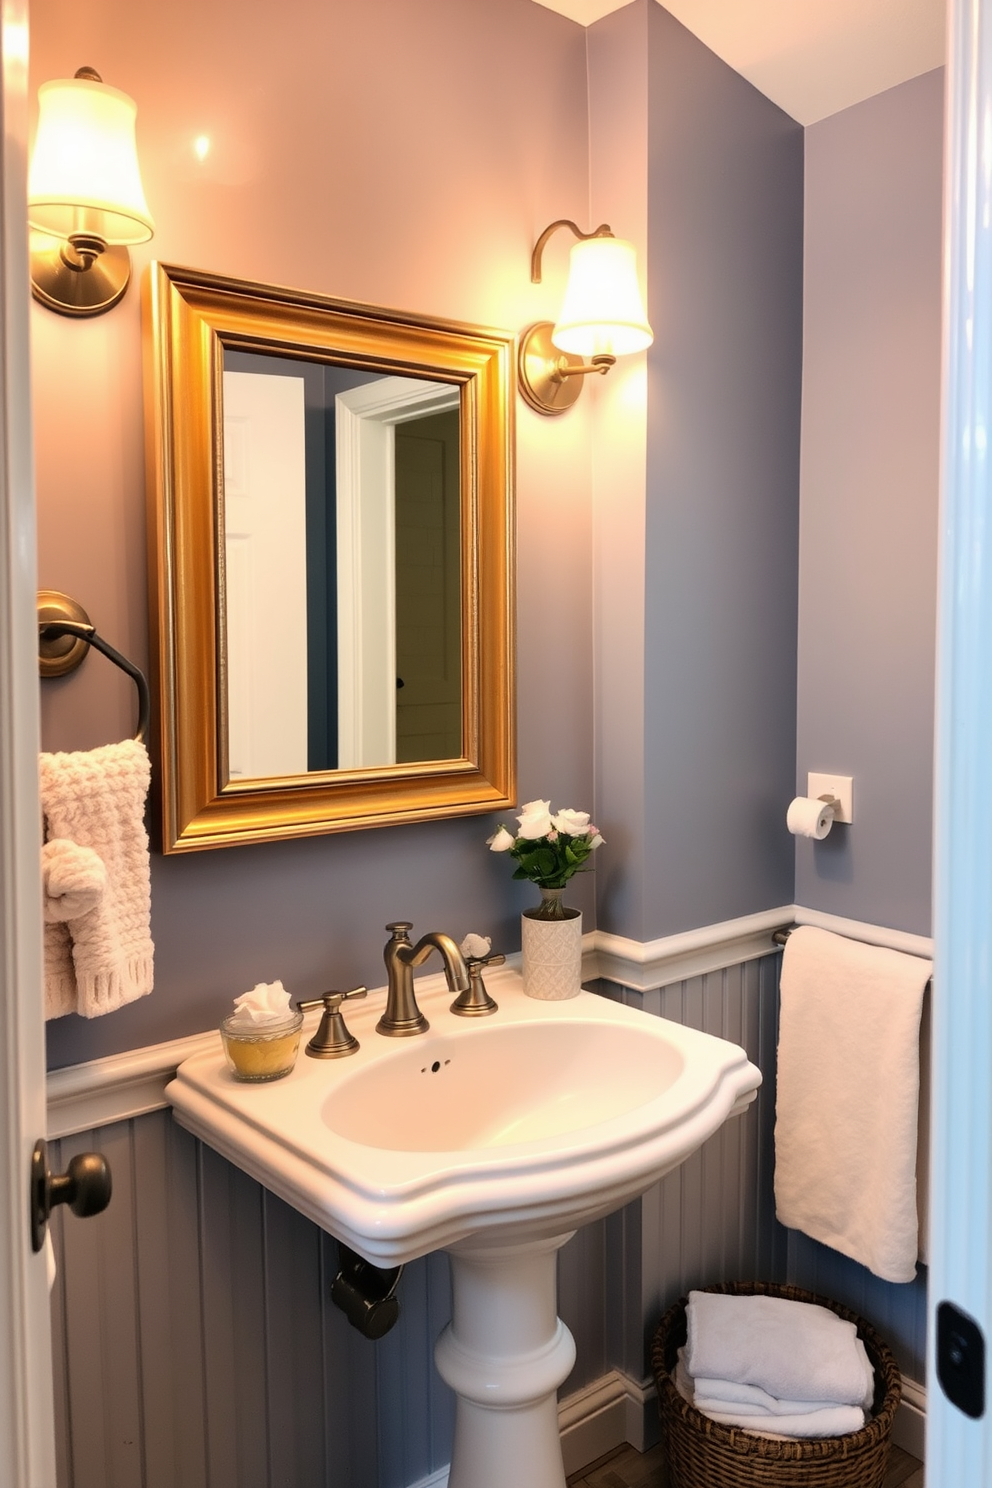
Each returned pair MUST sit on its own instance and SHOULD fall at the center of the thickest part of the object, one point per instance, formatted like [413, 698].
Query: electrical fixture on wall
[84, 189]
[602, 317]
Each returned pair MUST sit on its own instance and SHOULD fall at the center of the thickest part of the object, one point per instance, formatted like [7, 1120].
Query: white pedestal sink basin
[491, 1138]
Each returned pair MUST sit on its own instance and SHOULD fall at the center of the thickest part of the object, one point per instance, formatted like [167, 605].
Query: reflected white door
[265, 532]
[27, 1450]
[365, 420]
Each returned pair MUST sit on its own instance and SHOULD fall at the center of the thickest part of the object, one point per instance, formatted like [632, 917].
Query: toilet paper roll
[809, 818]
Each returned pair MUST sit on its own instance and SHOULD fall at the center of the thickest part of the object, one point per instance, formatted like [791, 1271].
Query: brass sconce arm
[602, 231]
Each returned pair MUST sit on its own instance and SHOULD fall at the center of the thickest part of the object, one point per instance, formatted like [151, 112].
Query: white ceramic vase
[551, 949]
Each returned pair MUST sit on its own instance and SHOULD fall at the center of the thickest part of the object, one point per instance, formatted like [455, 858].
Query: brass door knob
[85, 1186]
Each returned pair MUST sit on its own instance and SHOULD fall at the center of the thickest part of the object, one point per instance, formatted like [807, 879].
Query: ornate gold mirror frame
[189, 319]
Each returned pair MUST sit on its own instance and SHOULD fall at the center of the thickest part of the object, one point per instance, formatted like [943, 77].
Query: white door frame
[27, 1450]
[959, 1449]
[365, 420]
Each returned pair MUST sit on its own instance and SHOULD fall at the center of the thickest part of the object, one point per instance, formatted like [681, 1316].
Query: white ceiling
[811, 57]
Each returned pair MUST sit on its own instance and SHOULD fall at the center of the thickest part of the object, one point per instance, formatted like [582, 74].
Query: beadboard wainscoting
[195, 1340]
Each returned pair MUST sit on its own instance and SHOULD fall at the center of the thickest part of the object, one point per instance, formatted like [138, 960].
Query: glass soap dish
[265, 1051]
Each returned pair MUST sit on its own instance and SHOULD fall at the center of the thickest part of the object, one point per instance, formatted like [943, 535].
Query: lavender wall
[868, 555]
[726, 263]
[373, 152]
[618, 132]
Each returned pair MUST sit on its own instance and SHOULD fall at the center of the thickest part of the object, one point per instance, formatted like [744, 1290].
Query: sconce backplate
[538, 378]
[64, 653]
[69, 290]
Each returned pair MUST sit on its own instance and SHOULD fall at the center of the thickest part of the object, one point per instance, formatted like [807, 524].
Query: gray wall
[868, 555]
[726, 264]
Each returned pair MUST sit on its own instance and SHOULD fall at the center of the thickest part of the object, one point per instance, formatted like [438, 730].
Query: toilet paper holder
[828, 799]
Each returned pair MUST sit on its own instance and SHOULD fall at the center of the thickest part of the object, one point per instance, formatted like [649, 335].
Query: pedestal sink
[493, 1139]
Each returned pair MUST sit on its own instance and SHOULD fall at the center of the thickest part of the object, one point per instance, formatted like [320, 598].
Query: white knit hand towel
[847, 1101]
[73, 881]
[73, 878]
[96, 799]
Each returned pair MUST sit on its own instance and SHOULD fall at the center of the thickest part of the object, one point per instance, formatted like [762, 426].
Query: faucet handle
[332, 1039]
[476, 1002]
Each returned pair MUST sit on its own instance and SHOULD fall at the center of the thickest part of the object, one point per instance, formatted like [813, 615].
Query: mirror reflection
[341, 542]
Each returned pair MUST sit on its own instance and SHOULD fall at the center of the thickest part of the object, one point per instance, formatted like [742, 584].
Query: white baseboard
[616, 1410]
[909, 1430]
[437, 1479]
[611, 1411]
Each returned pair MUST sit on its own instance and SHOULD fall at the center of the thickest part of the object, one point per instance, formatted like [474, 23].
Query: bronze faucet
[402, 1015]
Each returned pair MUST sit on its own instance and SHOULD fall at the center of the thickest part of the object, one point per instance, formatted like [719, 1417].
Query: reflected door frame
[365, 423]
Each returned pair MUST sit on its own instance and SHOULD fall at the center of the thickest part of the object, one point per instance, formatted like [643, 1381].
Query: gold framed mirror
[330, 493]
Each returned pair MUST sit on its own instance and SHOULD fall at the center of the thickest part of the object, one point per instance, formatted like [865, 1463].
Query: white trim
[909, 1429]
[879, 935]
[86, 1096]
[646, 965]
[27, 1439]
[437, 1479]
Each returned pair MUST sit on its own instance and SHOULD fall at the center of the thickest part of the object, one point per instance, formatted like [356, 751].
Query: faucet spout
[402, 1016]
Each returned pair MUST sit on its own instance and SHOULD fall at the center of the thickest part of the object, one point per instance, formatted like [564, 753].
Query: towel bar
[781, 935]
[59, 617]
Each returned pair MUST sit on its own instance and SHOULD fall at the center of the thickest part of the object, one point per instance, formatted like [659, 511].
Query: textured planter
[551, 950]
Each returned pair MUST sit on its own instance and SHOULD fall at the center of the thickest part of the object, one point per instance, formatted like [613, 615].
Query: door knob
[85, 1186]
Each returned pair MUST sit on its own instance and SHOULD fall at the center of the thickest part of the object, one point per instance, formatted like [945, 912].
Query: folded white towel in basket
[847, 1102]
[751, 1400]
[795, 1351]
[807, 1420]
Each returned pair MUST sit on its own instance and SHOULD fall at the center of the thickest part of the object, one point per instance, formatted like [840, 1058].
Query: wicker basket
[704, 1454]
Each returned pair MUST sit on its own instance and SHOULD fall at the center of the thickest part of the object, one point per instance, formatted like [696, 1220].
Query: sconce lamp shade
[84, 176]
[603, 313]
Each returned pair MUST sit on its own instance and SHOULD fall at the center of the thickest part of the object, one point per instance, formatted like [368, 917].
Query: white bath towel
[848, 1098]
[96, 799]
[808, 1419]
[795, 1351]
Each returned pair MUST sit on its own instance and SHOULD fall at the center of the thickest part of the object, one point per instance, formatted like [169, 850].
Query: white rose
[597, 839]
[500, 841]
[535, 820]
[476, 946]
[572, 823]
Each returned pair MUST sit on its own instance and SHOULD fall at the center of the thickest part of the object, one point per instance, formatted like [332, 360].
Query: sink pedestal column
[504, 1353]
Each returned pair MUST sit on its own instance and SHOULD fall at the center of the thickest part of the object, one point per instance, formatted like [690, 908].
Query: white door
[265, 547]
[27, 1453]
[959, 1439]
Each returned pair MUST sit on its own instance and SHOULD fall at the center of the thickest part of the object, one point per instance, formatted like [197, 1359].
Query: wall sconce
[84, 188]
[602, 317]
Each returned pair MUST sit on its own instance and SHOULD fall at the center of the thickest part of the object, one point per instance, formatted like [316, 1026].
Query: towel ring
[60, 618]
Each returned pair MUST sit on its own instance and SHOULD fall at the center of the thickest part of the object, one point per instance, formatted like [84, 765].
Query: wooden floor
[626, 1468]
